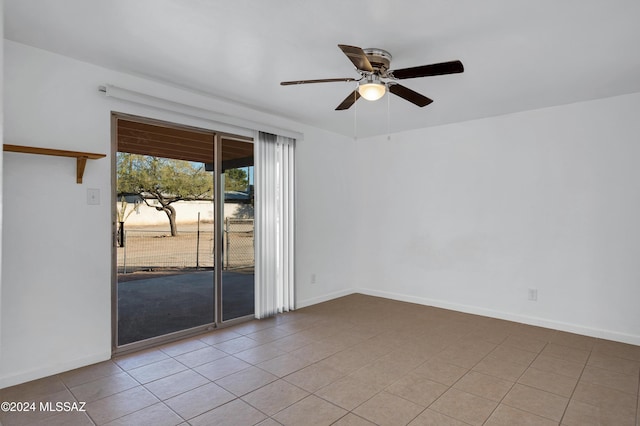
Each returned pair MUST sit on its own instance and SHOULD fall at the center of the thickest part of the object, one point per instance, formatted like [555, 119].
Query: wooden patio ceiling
[180, 143]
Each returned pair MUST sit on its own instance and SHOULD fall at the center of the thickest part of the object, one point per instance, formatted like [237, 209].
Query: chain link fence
[239, 244]
[145, 250]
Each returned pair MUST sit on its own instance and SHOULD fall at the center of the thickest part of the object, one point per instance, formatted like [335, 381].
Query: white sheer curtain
[274, 224]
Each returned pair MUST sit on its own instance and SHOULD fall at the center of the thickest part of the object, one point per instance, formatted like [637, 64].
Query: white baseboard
[541, 322]
[324, 298]
[38, 373]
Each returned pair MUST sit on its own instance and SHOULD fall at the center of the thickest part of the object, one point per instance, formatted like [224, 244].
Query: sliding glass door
[183, 231]
[238, 239]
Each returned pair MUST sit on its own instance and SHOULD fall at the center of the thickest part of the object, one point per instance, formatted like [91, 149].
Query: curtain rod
[193, 111]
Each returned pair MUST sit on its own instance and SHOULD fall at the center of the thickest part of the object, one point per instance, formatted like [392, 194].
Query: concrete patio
[155, 306]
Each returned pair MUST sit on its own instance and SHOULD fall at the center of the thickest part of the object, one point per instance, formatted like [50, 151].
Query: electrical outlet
[313, 278]
[533, 294]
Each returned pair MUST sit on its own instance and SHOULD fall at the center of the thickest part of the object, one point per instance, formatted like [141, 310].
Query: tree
[236, 180]
[165, 180]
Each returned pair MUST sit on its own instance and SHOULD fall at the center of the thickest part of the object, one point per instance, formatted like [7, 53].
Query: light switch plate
[93, 196]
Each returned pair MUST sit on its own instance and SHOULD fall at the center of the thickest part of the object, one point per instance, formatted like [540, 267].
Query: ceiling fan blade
[409, 95]
[324, 80]
[349, 100]
[357, 56]
[442, 68]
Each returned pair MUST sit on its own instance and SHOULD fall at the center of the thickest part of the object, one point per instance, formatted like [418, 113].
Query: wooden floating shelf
[81, 157]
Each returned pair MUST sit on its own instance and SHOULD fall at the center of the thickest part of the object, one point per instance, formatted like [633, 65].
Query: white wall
[470, 216]
[325, 177]
[56, 283]
[1, 151]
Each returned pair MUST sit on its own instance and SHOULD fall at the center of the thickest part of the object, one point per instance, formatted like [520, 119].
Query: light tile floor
[357, 360]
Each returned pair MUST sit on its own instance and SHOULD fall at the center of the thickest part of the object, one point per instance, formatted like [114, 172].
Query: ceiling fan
[376, 77]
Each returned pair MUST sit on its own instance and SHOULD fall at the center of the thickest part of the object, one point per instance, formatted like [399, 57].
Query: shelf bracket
[81, 162]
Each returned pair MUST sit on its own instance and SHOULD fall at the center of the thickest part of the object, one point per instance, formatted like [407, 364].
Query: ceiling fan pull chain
[355, 115]
[388, 117]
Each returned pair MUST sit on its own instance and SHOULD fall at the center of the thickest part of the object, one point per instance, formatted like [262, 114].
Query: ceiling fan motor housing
[379, 59]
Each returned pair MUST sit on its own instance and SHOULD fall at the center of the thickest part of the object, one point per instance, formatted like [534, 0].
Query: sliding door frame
[219, 220]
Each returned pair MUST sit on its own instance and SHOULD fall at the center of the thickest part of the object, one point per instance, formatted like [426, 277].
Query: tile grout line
[236, 397]
[283, 379]
[515, 382]
[350, 411]
[74, 397]
[449, 387]
[143, 385]
[135, 411]
[564, 413]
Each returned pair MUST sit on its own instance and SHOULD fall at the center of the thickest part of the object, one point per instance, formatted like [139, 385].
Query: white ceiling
[518, 55]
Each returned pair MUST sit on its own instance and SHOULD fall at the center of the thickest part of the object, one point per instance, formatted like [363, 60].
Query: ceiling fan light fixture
[372, 89]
